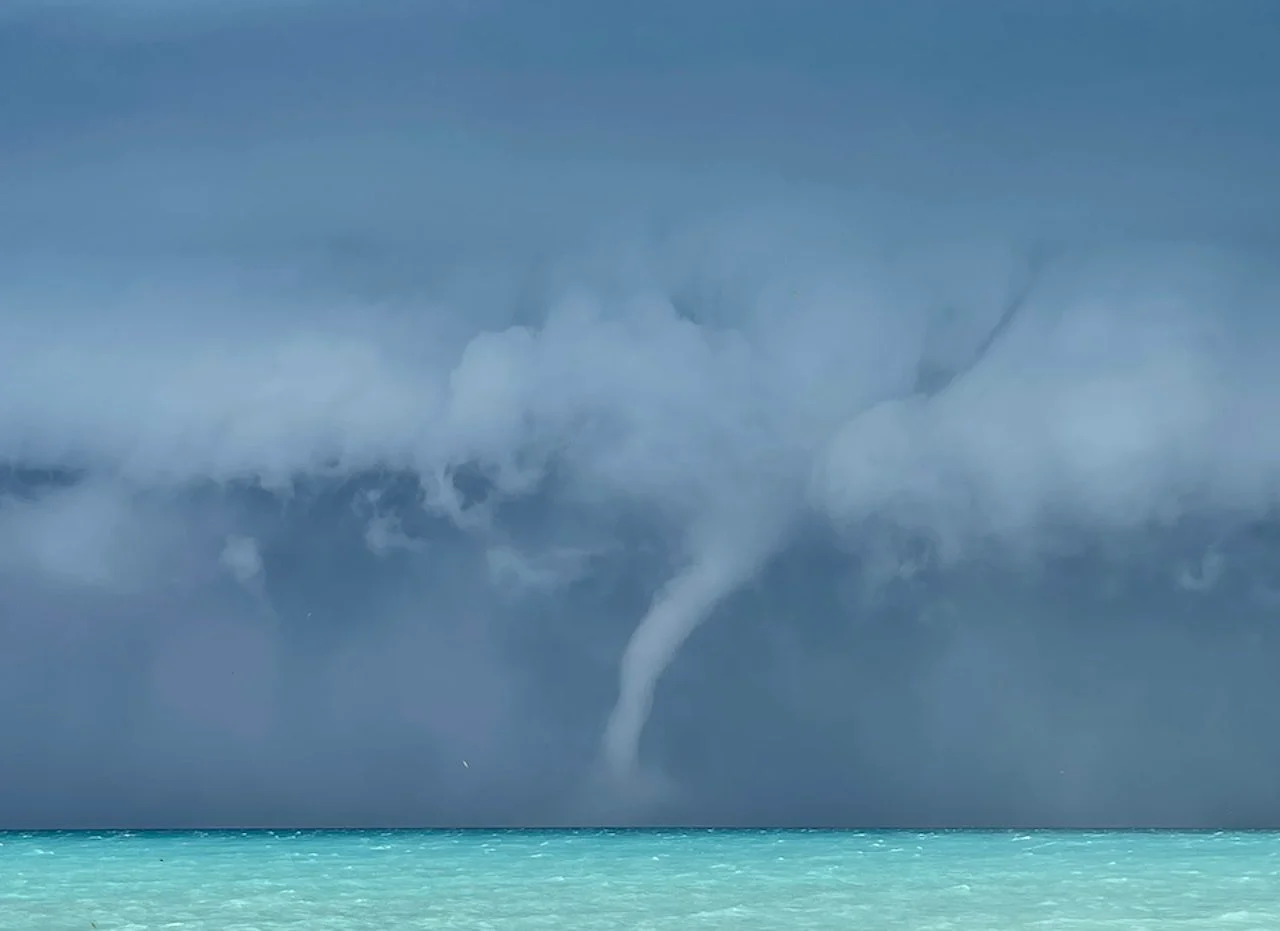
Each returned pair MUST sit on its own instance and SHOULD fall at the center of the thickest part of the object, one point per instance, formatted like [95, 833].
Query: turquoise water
[234, 881]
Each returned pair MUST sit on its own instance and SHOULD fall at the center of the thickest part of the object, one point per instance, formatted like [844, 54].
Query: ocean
[960, 881]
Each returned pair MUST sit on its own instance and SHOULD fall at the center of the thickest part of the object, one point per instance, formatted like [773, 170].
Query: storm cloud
[900, 375]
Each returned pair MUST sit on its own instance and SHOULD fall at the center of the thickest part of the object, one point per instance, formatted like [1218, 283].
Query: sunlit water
[598, 879]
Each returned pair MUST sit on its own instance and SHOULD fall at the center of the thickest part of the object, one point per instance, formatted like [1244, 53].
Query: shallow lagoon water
[237, 881]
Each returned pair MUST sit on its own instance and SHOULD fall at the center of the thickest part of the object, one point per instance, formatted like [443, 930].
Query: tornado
[725, 559]
[717, 568]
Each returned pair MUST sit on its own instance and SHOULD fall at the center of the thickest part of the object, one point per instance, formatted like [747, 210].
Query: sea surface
[236, 881]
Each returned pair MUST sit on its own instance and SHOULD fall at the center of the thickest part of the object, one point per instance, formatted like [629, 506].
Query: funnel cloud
[766, 413]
